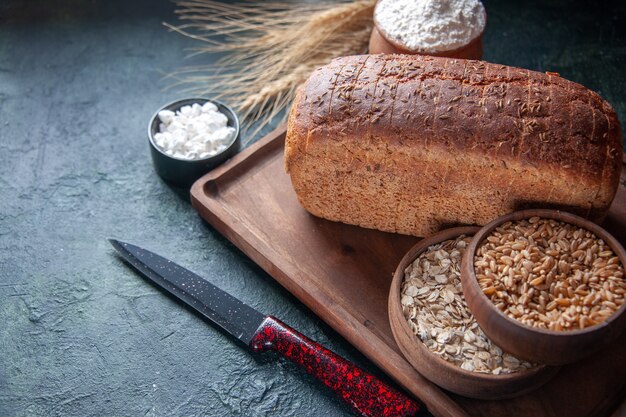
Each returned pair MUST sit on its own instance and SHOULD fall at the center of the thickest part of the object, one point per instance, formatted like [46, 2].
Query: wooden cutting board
[343, 274]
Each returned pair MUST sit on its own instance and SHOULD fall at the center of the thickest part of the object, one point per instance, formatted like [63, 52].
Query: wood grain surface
[343, 274]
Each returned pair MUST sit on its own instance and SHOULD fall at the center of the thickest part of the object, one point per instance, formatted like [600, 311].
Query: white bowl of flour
[451, 28]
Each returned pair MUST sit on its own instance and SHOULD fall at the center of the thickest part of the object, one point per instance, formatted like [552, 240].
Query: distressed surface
[82, 334]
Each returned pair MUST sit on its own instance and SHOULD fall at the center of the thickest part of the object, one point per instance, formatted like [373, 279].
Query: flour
[431, 25]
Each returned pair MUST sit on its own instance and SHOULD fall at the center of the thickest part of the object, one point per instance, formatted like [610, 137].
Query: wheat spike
[270, 47]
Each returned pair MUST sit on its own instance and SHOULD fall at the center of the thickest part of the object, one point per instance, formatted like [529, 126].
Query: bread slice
[410, 144]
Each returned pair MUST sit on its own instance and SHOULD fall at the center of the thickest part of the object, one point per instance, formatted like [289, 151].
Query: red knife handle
[366, 394]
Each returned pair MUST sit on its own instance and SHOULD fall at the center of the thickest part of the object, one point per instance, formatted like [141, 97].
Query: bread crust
[410, 144]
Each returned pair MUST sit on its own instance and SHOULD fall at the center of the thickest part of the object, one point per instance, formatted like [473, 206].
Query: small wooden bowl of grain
[436, 332]
[546, 285]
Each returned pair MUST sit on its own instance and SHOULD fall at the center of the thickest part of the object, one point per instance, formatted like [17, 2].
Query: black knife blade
[238, 319]
[366, 394]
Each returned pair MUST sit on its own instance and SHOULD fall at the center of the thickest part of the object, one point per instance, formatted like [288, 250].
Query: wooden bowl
[441, 372]
[550, 347]
[381, 43]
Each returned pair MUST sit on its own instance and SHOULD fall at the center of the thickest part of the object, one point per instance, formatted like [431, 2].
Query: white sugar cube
[166, 116]
[186, 111]
[196, 109]
[209, 107]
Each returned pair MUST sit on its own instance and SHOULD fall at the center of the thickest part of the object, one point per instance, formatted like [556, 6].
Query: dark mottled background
[80, 333]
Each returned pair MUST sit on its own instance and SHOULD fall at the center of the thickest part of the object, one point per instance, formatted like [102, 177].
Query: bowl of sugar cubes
[189, 137]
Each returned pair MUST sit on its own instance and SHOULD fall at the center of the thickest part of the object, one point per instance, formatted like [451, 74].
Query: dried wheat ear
[271, 49]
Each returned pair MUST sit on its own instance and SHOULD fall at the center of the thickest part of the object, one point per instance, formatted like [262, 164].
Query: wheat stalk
[270, 49]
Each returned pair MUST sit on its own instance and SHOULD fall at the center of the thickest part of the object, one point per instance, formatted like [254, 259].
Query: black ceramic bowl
[183, 172]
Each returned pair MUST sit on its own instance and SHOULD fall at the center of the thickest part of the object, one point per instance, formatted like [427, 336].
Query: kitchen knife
[366, 394]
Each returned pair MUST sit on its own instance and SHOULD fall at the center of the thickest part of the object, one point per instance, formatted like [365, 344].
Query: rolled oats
[433, 304]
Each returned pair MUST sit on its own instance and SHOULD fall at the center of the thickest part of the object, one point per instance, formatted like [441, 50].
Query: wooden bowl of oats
[437, 333]
[546, 285]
